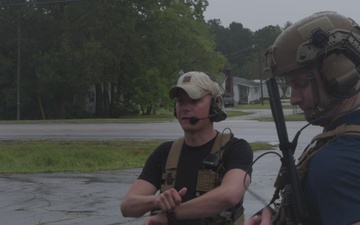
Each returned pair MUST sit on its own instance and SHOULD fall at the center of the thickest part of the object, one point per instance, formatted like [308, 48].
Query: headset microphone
[193, 120]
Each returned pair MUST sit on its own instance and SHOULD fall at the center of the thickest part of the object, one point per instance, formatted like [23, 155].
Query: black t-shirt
[237, 154]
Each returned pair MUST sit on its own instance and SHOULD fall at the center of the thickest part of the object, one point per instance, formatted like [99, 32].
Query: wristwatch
[171, 217]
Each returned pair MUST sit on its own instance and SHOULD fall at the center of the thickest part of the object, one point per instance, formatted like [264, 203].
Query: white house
[245, 91]
[249, 91]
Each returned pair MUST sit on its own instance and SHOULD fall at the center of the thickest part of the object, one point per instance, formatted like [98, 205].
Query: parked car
[228, 100]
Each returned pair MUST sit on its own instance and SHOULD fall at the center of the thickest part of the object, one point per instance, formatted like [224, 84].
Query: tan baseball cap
[196, 85]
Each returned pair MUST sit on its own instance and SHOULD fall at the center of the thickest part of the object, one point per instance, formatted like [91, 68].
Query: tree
[235, 43]
[129, 51]
[173, 37]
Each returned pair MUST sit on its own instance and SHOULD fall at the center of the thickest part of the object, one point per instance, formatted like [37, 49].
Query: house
[250, 91]
[245, 91]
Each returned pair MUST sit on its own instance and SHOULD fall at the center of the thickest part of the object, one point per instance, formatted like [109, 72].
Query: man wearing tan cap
[201, 177]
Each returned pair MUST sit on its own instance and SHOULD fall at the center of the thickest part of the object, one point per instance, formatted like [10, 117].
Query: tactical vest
[209, 177]
[302, 166]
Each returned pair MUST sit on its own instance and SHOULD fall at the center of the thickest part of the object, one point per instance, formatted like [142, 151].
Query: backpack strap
[171, 164]
[172, 161]
[320, 141]
[220, 141]
[174, 154]
[343, 129]
[328, 136]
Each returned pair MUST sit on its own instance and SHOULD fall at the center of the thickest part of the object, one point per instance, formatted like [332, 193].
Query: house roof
[245, 82]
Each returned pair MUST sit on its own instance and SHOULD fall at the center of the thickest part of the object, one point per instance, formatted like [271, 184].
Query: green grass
[161, 117]
[292, 117]
[295, 117]
[261, 105]
[236, 113]
[74, 155]
[265, 105]
[87, 156]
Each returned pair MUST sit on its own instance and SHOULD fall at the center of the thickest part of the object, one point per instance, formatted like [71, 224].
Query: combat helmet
[326, 41]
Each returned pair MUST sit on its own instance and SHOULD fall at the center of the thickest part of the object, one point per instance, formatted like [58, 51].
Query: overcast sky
[256, 14]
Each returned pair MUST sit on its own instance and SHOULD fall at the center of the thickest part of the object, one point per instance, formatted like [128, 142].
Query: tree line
[57, 57]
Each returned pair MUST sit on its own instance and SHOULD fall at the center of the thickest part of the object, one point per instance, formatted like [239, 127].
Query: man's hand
[263, 219]
[158, 219]
[169, 199]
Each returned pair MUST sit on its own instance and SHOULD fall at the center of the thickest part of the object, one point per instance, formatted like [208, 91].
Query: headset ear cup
[213, 111]
[216, 109]
[339, 86]
[219, 102]
[175, 110]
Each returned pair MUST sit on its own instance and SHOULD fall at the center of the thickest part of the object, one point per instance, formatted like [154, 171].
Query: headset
[337, 54]
[216, 113]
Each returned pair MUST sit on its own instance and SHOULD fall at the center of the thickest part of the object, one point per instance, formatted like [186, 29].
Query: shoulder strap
[169, 175]
[338, 131]
[174, 154]
[320, 141]
[172, 161]
[220, 141]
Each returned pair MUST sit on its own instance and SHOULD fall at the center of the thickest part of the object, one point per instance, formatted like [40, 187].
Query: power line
[242, 50]
[38, 3]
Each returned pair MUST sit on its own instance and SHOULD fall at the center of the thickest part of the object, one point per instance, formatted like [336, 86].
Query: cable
[242, 50]
[39, 3]
[293, 147]
[247, 188]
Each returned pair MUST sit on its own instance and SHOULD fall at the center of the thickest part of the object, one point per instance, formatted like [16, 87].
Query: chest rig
[209, 177]
[303, 164]
[212, 161]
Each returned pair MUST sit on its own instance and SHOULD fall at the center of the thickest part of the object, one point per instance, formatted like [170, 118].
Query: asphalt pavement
[94, 198]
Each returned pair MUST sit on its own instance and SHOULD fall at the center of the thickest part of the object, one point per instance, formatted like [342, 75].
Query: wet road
[244, 127]
[94, 198]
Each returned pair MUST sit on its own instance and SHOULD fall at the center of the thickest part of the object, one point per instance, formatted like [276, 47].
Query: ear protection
[214, 111]
[336, 64]
[339, 64]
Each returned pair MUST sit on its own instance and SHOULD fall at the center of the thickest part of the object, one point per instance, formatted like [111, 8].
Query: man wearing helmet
[319, 57]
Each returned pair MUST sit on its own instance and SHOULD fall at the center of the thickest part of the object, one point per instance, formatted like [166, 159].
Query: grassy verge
[163, 116]
[261, 105]
[292, 117]
[86, 156]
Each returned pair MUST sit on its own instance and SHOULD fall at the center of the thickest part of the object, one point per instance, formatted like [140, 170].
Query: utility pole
[18, 70]
[229, 84]
[260, 75]
[18, 62]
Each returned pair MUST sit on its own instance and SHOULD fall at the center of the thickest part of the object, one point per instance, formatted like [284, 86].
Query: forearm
[137, 206]
[204, 206]
[227, 195]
